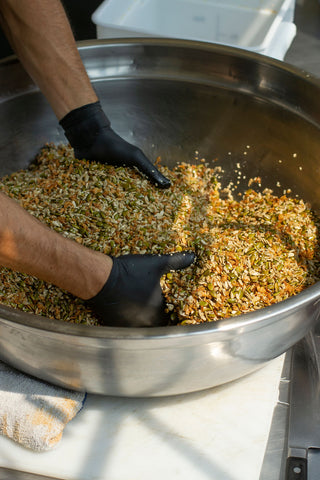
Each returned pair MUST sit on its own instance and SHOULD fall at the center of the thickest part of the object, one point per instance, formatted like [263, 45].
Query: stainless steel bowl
[173, 98]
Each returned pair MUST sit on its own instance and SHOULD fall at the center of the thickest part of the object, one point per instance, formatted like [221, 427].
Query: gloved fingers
[176, 261]
[150, 170]
[126, 154]
[112, 149]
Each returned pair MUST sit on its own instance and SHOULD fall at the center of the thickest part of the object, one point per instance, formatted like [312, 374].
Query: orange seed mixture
[252, 252]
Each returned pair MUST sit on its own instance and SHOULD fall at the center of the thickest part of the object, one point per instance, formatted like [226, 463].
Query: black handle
[296, 468]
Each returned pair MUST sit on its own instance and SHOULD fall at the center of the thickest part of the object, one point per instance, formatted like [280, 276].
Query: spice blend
[252, 251]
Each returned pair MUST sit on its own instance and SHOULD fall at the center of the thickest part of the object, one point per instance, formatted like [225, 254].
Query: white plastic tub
[263, 26]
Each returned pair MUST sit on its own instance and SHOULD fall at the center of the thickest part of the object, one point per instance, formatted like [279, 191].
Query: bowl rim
[251, 321]
[254, 319]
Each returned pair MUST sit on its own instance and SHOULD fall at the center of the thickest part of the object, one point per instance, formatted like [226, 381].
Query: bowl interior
[184, 101]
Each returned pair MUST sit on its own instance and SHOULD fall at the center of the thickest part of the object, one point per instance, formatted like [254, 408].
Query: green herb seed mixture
[251, 252]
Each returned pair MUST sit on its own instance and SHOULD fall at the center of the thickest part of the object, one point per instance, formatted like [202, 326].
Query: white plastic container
[262, 26]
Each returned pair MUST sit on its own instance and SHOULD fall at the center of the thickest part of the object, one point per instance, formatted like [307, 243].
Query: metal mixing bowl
[173, 98]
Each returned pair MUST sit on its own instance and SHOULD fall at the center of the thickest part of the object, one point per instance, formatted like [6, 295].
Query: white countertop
[219, 433]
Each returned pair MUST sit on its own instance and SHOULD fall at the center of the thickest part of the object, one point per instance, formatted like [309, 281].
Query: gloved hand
[132, 295]
[89, 132]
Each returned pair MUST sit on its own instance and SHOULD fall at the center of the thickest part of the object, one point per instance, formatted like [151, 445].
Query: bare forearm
[41, 36]
[28, 246]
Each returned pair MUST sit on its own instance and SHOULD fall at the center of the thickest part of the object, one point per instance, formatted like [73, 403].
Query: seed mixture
[251, 252]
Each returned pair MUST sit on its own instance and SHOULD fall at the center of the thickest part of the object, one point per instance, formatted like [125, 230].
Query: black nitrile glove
[132, 295]
[89, 132]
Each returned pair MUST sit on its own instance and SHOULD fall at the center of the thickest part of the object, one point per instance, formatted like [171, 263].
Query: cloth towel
[33, 412]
